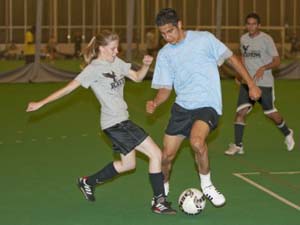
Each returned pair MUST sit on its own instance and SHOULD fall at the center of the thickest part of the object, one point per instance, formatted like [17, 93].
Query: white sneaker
[214, 196]
[234, 149]
[289, 141]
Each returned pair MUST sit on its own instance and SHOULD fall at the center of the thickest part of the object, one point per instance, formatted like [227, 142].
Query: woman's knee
[127, 166]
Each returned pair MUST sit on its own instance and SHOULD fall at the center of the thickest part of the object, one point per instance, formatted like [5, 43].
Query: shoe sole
[237, 153]
[217, 206]
[164, 213]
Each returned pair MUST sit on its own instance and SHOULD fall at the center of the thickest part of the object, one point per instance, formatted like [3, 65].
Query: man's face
[252, 26]
[172, 34]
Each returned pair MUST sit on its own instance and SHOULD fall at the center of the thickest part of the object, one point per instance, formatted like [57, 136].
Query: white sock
[167, 188]
[205, 180]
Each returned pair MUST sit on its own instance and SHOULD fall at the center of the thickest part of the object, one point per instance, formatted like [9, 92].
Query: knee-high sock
[238, 134]
[103, 175]
[157, 183]
[283, 128]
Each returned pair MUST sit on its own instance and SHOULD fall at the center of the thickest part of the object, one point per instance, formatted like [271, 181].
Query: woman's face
[110, 51]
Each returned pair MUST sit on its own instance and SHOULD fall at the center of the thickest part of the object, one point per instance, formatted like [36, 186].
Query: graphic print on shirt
[116, 83]
[252, 53]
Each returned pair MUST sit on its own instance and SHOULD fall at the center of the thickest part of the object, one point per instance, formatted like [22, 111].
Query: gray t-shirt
[259, 51]
[107, 81]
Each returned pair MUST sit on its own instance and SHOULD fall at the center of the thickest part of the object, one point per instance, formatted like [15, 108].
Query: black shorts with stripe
[266, 100]
[125, 136]
[182, 119]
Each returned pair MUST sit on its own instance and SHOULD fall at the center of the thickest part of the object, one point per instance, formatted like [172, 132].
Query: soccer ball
[191, 201]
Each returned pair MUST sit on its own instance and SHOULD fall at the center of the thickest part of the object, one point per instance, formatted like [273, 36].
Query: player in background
[260, 56]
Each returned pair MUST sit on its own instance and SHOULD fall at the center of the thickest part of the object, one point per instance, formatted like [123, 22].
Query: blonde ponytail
[92, 51]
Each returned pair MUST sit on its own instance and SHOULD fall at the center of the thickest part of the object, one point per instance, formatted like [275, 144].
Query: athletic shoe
[87, 190]
[214, 196]
[289, 141]
[167, 190]
[234, 149]
[161, 206]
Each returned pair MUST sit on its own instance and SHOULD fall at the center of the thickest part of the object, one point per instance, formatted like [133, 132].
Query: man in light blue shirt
[189, 64]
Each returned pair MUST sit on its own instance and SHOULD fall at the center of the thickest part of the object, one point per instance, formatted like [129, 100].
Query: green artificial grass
[43, 152]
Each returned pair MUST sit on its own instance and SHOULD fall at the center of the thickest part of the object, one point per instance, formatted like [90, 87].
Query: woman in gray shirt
[105, 74]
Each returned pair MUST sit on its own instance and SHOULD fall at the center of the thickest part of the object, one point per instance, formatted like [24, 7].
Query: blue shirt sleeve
[219, 51]
[162, 77]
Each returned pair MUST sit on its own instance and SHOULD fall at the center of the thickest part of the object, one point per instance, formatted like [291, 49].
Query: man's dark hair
[166, 16]
[254, 16]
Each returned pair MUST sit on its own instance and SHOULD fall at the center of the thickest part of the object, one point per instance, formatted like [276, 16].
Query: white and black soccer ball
[191, 201]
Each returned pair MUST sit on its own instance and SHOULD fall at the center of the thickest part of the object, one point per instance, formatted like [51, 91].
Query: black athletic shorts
[125, 136]
[266, 100]
[182, 119]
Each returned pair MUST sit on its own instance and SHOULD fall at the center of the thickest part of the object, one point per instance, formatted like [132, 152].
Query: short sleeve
[122, 66]
[219, 50]
[162, 77]
[271, 47]
[85, 78]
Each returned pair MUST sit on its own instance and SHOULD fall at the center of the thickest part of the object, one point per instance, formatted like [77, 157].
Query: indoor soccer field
[43, 153]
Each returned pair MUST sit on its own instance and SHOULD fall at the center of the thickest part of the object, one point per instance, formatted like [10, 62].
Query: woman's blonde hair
[91, 52]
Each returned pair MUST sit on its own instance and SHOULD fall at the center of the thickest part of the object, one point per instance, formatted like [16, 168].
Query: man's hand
[259, 73]
[254, 92]
[151, 106]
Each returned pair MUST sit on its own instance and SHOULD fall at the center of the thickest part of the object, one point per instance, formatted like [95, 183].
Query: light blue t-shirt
[191, 67]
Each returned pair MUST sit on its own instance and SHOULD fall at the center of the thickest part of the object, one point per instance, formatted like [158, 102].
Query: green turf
[66, 65]
[7, 65]
[43, 152]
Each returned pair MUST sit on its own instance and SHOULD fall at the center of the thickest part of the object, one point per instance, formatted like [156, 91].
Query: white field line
[282, 172]
[268, 191]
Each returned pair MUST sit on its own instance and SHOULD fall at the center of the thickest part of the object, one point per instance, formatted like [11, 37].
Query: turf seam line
[268, 191]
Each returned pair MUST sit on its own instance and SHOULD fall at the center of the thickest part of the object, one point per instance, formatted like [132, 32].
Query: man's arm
[161, 96]
[254, 91]
[260, 72]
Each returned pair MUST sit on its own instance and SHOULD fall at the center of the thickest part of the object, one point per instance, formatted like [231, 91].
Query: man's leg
[267, 102]
[171, 146]
[280, 123]
[199, 133]
[244, 106]
[239, 126]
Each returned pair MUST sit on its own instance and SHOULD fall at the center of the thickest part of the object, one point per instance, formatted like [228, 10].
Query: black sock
[238, 134]
[106, 173]
[157, 183]
[283, 128]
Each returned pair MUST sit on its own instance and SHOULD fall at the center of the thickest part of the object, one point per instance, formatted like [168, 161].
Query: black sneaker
[161, 206]
[87, 190]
